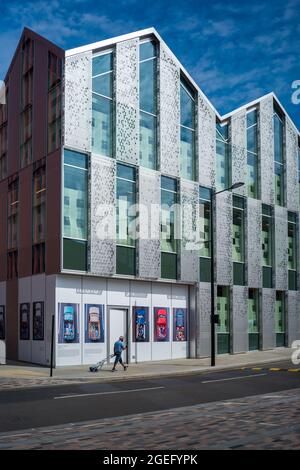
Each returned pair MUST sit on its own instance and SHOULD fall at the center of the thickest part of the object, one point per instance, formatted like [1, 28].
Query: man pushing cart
[119, 347]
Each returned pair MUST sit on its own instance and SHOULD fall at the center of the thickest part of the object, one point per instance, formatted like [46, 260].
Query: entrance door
[117, 321]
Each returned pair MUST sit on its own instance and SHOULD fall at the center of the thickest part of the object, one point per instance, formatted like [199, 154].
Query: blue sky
[235, 50]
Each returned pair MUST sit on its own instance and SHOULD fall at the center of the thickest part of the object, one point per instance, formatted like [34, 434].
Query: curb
[271, 369]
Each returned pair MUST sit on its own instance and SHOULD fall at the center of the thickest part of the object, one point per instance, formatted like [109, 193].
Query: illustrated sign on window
[2, 322]
[38, 321]
[179, 324]
[140, 324]
[161, 324]
[94, 323]
[68, 323]
[25, 321]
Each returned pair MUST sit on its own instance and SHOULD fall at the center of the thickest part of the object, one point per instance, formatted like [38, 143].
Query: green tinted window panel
[168, 265]
[292, 280]
[126, 260]
[204, 225]
[279, 316]
[280, 340]
[223, 343]
[205, 269]
[267, 277]
[223, 312]
[253, 317]
[253, 341]
[74, 255]
[239, 274]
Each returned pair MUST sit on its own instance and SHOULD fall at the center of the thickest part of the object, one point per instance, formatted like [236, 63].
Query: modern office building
[108, 154]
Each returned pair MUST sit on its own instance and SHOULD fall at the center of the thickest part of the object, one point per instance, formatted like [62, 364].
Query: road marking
[293, 370]
[275, 369]
[233, 378]
[107, 393]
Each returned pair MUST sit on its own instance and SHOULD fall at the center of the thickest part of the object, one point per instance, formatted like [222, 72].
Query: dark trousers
[118, 359]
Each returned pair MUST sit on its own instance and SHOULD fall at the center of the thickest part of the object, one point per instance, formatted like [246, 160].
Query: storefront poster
[38, 321]
[25, 321]
[68, 323]
[94, 323]
[140, 324]
[179, 324]
[2, 321]
[161, 324]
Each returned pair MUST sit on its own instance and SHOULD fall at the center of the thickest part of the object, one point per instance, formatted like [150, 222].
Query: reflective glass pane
[204, 222]
[253, 311]
[148, 86]
[252, 139]
[279, 184]
[102, 126]
[168, 242]
[252, 175]
[75, 159]
[148, 140]
[147, 50]
[292, 259]
[279, 313]
[103, 84]
[223, 310]
[222, 165]
[251, 118]
[238, 236]
[186, 109]
[187, 153]
[75, 202]
[278, 139]
[102, 63]
[266, 241]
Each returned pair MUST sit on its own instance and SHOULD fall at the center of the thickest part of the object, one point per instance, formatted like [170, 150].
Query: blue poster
[94, 323]
[179, 324]
[140, 324]
[68, 323]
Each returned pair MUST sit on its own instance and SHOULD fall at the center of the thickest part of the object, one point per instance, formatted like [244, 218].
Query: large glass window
[168, 228]
[75, 210]
[148, 105]
[223, 170]
[126, 216]
[253, 319]
[3, 136]
[223, 329]
[102, 104]
[267, 245]
[12, 229]
[299, 171]
[252, 153]
[280, 319]
[187, 131]
[39, 220]
[279, 159]
[238, 241]
[204, 219]
[292, 250]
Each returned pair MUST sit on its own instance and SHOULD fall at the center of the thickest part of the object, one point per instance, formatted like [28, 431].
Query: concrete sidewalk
[29, 375]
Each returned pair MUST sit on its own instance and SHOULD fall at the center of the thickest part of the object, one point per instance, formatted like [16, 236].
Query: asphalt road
[55, 405]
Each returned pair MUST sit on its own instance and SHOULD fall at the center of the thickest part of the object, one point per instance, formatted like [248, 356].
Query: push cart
[100, 364]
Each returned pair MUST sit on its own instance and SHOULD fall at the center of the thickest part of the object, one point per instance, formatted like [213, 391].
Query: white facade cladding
[239, 150]
[267, 150]
[149, 234]
[169, 112]
[77, 115]
[132, 282]
[254, 255]
[102, 248]
[127, 101]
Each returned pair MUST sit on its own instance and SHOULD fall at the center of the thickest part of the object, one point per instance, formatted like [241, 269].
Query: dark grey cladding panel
[293, 320]
[254, 250]
[239, 150]
[77, 118]
[224, 238]
[203, 343]
[149, 224]
[206, 143]
[292, 187]
[102, 249]
[281, 248]
[267, 150]
[169, 113]
[127, 101]
[239, 319]
[268, 318]
[189, 256]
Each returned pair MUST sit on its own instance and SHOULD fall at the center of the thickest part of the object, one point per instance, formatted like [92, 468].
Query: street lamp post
[214, 318]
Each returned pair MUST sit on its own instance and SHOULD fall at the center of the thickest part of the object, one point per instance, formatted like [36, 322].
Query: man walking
[118, 349]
